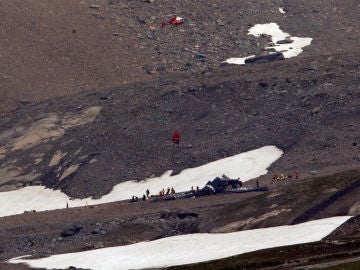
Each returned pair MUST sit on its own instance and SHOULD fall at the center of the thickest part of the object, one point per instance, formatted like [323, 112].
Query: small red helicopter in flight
[176, 20]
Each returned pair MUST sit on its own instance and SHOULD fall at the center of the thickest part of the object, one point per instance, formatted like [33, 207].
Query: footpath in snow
[248, 165]
[191, 248]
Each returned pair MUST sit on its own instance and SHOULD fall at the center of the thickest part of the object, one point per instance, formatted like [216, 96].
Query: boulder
[71, 231]
[265, 58]
[284, 41]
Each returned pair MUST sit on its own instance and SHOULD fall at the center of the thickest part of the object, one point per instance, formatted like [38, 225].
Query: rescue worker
[275, 176]
[176, 137]
[297, 174]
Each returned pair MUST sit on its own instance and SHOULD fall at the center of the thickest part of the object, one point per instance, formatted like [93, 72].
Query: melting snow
[238, 60]
[191, 248]
[246, 165]
[282, 11]
[289, 50]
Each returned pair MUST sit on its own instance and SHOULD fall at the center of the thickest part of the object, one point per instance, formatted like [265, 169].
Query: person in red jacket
[176, 137]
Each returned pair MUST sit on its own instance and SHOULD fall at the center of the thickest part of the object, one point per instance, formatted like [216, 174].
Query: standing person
[172, 190]
[147, 193]
[297, 174]
[257, 183]
[176, 137]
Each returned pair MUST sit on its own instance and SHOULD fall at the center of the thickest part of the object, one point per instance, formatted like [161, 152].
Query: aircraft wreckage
[221, 185]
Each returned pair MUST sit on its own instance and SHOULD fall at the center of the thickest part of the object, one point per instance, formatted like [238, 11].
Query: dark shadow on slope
[311, 212]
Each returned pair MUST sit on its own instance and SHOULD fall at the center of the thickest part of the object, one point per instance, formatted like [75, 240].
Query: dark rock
[265, 58]
[96, 231]
[263, 84]
[199, 55]
[147, 69]
[178, 213]
[141, 20]
[71, 231]
[285, 41]
[192, 89]
[185, 214]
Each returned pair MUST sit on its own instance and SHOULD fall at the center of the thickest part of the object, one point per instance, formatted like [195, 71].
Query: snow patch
[238, 60]
[293, 47]
[246, 165]
[191, 248]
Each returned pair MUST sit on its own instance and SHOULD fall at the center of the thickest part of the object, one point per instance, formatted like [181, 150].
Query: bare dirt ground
[92, 90]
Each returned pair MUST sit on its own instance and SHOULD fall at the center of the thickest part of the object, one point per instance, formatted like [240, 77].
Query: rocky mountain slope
[87, 143]
[92, 92]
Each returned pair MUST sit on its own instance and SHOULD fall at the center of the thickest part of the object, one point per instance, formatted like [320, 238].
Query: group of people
[147, 194]
[197, 188]
[283, 177]
[168, 191]
[144, 197]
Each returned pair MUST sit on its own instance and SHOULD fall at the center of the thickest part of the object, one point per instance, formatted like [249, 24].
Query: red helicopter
[176, 20]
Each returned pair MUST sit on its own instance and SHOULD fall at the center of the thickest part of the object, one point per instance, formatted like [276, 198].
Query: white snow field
[191, 248]
[246, 165]
[272, 29]
[238, 60]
